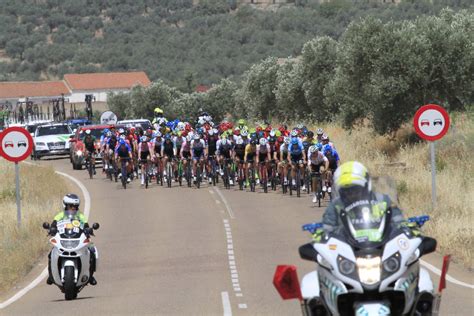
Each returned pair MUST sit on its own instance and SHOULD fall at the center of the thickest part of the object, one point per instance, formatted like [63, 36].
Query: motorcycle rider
[71, 204]
[353, 184]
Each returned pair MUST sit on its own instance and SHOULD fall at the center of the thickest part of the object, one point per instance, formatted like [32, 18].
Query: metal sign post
[431, 123]
[18, 200]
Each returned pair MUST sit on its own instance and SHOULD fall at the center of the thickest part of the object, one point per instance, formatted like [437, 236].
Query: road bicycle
[89, 164]
[228, 173]
[252, 177]
[159, 171]
[317, 181]
[213, 169]
[241, 174]
[123, 168]
[263, 171]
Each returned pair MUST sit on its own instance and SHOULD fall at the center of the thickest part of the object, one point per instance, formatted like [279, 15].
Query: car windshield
[53, 130]
[31, 128]
[97, 132]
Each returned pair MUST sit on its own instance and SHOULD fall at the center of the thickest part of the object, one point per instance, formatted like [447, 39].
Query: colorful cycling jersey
[333, 158]
[197, 147]
[179, 141]
[240, 150]
[89, 142]
[186, 147]
[263, 149]
[222, 149]
[112, 142]
[316, 158]
[145, 147]
[168, 148]
[283, 152]
[212, 145]
[296, 149]
[123, 150]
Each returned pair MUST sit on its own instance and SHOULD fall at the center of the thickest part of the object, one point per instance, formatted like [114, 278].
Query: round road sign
[16, 144]
[431, 122]
[108, 117]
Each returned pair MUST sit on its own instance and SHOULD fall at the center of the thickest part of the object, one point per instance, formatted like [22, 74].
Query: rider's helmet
[109, 134]
[253, 141]
[132, 130]
[237, 131]
[71, 204]
[294, 133]
[197, 136]
[277, 133]
[241, 122]
[294, 140]
[300, 126]
[261, 134]
[121, 131]
[181, 126]
[239, 141]
[272, 133]
[244, 133]
[310, 134]
[224, 141]
[325, 138]
[319, 131]
[105, 131]
[144, 139]
[313, 149]
[272, 139]
[210, 132]
[167, 137]
[352, 182]
[189, 137]
[287, 140]
[327, 148]
[88, 132]
[158, 112]
[281, 139]
[263, 141]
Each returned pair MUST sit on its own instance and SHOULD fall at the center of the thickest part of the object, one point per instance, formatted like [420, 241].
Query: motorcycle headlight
[69, 244]
[346, 266]
[369, 270]
[79, 152]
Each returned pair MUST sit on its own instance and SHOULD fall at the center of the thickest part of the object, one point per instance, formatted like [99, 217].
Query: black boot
[92, 280]
[50, 279]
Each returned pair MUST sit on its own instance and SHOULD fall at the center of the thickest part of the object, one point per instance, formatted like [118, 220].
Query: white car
[51, 140]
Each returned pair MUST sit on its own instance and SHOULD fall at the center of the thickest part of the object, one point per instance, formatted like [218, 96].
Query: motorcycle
[70, 256]
[370, 267]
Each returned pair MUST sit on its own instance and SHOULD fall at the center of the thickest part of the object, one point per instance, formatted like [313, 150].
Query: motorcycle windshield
[366, 224]
[70, 228]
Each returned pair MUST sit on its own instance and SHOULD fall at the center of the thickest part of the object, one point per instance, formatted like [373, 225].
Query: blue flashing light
[312, 227]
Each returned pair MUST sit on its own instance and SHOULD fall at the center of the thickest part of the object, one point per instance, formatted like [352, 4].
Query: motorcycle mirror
[307, 252]
[428, 245]
[95, 226]
[53, 231]
[46, 225]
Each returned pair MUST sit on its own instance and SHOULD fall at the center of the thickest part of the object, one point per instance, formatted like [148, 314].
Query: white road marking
[242, 305]
[239, 294]
[227, 206]
[449, 278]
[226, 304]
[44, 273]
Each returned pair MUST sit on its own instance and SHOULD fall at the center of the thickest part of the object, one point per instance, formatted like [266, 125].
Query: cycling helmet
[181, 126]
[277, 133]
[286, 140]
[158, 111]
[261, 134]
[253, 141]
[122, 136]
[189, 137]
[122, 141]
[253, 135]
[310, 134]
[132, 130]
[319, 131]
[210, 132]
[109, 134]
[167, 137]
[242, 122]
[263, 141]
[352, 182]
[121, 131]
[105, 131]
[327, 148]
[244, 133]
[294, 133]
[239, 141]
[324, 138]
[224, 141]
[158, 134]
[237, 131]
[143, 139]
[88, 131]
[272, 133]
[281, 139]
[197, 136]
[272, 139]
[294, 140]
[313, 149]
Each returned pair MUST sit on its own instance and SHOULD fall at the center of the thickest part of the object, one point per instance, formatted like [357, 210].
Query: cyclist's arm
[257, 154]
[326, 163]
[269, 156]
[246, 152]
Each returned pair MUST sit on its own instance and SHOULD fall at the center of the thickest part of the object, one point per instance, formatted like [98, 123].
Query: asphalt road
[194, 251]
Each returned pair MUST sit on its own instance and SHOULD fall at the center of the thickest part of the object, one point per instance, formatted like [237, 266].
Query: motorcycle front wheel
[70, 292]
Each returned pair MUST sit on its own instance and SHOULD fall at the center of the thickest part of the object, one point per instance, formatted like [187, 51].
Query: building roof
[202, 88]
[11, 90]
[112, 80]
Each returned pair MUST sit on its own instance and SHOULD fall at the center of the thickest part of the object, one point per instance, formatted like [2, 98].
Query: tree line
[376, 70]
[172, 40]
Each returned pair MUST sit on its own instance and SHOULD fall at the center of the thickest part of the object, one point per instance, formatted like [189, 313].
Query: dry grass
[41, 191]
[452, 221]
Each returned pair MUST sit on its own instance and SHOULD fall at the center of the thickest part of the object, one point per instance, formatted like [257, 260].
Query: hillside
[171, 40]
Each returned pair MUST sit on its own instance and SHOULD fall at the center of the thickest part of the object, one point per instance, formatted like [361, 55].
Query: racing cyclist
[145, 151]
[198, 153]
[89, 145]
[317, 163]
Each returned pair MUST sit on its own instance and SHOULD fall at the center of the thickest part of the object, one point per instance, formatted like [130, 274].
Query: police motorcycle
[71, 254]
[368, 267]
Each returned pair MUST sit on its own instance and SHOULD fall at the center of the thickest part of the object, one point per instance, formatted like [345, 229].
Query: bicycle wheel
[89, 168]
[241, 177]
[252, 179]
[298, 182]
[264, 173]
[146, 176]
[320, 192]
[124, 175]
[180, 173]
[198, 175]
[169, 173]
